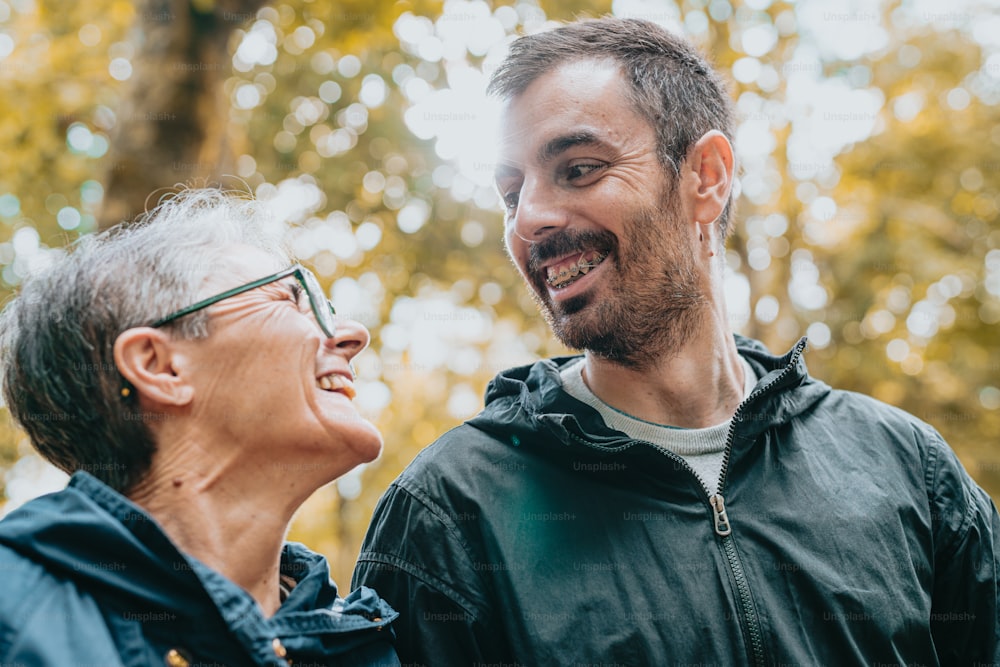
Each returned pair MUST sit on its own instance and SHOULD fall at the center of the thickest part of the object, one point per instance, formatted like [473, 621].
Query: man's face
[592, 221]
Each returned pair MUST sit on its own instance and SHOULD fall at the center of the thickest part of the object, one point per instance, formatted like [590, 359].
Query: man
[677, 495]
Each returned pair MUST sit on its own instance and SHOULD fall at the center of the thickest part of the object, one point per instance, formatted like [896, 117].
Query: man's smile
[569, 270]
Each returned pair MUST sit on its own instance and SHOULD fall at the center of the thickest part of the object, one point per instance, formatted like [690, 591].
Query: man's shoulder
[849, 408]
[460, 450]
[466, 465]
[858, 427]
[854, 408]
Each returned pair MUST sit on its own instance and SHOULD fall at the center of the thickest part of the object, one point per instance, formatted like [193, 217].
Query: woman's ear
[146, 357]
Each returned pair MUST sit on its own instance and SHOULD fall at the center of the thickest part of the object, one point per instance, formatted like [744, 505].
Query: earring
[126, 392]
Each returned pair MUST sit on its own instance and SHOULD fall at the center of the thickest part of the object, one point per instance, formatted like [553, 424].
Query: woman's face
[269, 384]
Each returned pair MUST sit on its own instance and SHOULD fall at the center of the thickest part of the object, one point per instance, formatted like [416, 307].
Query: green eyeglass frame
[322, 308]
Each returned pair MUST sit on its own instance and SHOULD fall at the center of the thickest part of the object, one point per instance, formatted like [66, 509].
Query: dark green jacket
[87, 578]
[534, 535]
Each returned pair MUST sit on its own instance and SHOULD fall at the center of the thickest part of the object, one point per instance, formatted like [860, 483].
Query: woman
[198, 388]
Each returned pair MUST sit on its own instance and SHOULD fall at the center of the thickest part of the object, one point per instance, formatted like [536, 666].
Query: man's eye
[583, 169]
[510, 200]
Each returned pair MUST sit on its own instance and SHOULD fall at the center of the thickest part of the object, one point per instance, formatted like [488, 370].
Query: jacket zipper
[718, 503]
[724, 530]
[722, 526]
[720, 517]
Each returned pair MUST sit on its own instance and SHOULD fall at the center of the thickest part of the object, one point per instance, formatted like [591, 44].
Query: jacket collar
[526, 405]
[92, 535]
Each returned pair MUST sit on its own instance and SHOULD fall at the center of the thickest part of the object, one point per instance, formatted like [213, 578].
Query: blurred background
[869, 193]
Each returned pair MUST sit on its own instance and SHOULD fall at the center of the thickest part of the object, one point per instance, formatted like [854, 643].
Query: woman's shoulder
[22, 580]
[43, 613]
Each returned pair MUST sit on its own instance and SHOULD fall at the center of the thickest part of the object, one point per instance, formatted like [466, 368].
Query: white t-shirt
[702, 448]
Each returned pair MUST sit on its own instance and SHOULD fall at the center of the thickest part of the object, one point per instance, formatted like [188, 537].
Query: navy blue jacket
[536, 535]
[88, 578]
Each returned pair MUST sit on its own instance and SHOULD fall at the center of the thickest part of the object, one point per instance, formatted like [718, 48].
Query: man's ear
[711, 165]
[146, 358]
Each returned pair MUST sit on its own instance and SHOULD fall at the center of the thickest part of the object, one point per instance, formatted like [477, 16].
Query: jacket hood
[101, 579]
[93, 535]
[526, 401]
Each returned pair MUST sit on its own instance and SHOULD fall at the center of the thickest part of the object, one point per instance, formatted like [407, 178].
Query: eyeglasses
[321, 306]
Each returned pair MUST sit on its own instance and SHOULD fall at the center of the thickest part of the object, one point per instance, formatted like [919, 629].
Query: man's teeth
[337, 383]
[571, 272]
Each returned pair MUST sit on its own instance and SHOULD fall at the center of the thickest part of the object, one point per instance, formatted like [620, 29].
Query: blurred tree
[172, 123]
[55, 112]
[918, 259]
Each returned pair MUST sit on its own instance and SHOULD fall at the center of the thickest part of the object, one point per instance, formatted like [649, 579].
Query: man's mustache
[567, 242]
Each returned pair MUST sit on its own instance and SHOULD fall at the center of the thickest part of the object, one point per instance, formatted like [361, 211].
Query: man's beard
[655, 305]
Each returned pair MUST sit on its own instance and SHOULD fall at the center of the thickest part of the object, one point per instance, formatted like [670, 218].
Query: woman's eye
[296, 294]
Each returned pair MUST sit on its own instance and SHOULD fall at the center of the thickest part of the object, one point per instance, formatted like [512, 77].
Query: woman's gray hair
[57, 336]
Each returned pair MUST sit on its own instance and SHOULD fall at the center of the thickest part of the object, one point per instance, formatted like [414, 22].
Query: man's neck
[697, 386]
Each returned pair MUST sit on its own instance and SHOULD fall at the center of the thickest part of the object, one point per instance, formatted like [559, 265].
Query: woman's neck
[234, 523]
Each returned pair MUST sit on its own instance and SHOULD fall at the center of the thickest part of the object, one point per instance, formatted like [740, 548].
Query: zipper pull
[722, 526]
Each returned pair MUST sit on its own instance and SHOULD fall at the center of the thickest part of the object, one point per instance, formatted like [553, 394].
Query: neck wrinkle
[230, 519]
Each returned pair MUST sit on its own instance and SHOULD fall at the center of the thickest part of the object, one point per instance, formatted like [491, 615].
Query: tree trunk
[172, 125]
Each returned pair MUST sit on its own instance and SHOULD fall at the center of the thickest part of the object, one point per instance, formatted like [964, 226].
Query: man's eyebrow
[557, 145]
[551, 149]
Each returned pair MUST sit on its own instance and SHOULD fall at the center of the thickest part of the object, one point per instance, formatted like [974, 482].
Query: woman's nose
[350, 338]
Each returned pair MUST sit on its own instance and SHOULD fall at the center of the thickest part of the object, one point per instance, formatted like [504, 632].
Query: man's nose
[540, 211]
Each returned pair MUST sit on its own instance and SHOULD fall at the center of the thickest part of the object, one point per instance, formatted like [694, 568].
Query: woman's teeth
[337, 383]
